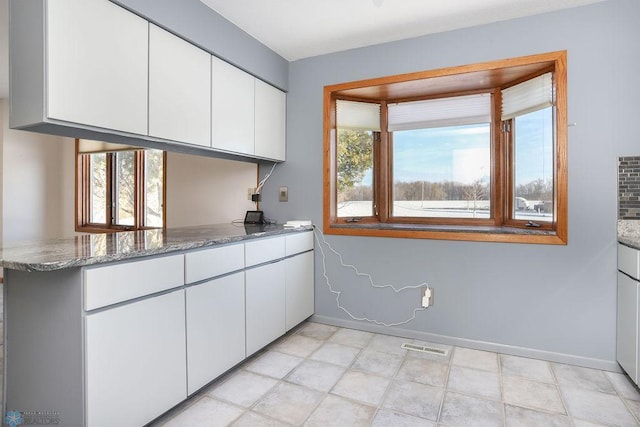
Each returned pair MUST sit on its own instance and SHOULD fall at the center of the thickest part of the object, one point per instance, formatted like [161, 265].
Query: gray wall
[557, 302]
[200, 25]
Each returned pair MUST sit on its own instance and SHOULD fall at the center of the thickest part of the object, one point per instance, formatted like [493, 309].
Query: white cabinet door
[627, 326]
[97, 55]
[135, 361]
[270, 110]
[232, 108]
[215, 329]
[265, 305]
[299, 288]
[179, 89]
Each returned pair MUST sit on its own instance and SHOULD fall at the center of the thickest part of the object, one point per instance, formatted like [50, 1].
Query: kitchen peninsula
[116, 329]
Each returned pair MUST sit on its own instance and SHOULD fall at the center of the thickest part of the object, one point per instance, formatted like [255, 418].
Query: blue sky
[442, 154]
[462, 154]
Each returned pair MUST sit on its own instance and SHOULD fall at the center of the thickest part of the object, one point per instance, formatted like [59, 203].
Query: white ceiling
[298, 29]
[302, 28]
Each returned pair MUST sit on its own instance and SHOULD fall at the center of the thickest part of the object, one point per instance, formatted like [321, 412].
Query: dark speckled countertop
[629, 233]
[90, 249]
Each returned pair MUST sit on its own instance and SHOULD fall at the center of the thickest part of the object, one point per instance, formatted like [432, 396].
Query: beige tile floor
[322, 375]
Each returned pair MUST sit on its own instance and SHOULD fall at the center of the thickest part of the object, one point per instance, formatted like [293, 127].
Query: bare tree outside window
[120, 190]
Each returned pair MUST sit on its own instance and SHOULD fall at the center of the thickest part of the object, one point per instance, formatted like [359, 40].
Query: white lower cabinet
[265, 305]
[127, 341]
[299, 289]
[627, 325]
[215, 329]
[628, 314]
[135, 361]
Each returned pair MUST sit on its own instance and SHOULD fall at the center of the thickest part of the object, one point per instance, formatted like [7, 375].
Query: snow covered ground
[435, 209]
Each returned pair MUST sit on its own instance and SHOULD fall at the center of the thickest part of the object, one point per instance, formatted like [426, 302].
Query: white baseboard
[570, 359]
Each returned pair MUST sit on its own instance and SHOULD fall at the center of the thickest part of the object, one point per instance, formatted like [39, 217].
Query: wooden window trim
[83, 195]
[495, 76]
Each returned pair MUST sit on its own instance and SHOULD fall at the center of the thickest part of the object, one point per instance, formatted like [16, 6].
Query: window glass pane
[124, 182]
[98, 188]
[533, 166]
[442, 172]
[153, 188]
[355, 173]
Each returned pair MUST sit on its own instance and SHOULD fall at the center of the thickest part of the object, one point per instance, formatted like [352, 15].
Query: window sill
[447, 232]
[107, 230]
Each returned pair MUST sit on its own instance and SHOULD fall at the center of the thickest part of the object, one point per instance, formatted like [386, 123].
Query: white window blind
[357, 115]
[528, 96]
[440, 112]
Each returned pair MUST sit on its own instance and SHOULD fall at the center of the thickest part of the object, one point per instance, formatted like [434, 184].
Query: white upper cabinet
[96, 67]
[179, 89]
[232, 108]
[270, 111]
[95, 70]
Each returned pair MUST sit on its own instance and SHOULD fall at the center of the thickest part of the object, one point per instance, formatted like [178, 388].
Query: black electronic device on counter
[254, 217]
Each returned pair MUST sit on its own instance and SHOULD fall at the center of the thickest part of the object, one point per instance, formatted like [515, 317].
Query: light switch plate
[283, 194]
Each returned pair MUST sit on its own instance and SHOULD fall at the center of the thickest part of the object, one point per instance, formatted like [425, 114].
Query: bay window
[475, 152]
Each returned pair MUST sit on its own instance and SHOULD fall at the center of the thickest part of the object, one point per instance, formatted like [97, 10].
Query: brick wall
[629, 187]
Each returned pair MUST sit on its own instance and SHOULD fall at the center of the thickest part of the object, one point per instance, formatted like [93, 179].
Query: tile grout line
[283, 379]
[502, 396]
[391, 381]
[524, 374]
[624, 400]
[328, 392]
[556, 384]
[446, 383]
[361, 352]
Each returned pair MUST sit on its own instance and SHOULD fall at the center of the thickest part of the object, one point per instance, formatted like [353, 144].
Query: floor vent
[424, 349]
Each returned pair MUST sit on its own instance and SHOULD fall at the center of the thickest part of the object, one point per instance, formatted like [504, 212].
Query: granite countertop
[90, 249]
[629, 233]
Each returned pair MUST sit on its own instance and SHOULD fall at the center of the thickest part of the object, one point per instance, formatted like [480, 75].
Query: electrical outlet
[283, 194]
[427, 297]
[250, 192]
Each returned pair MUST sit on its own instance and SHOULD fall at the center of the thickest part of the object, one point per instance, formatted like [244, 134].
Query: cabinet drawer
[116, 283]
[200, 265]
[299, 242]
[629, 261]
[264, 250]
